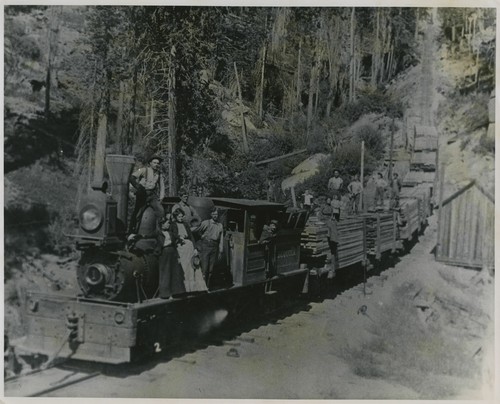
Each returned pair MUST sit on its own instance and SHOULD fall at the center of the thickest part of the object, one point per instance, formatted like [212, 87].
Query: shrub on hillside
[373, 139]
[18, 43]
[346, 159]
[373, 101]
[57, 233]
[273, 144]
[486, 145]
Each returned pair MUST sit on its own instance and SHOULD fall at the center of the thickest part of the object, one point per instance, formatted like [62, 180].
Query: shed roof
[419, 177]
[245, 203]
[465, 188]
[306, 169]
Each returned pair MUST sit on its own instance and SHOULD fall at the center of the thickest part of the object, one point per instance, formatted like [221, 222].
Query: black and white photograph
[290, 201]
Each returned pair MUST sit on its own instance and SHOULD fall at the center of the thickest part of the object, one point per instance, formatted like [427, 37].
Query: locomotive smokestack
[119, 170]
[100, 152]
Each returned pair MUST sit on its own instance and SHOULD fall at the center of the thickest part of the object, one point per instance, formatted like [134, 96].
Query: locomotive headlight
[90, 218]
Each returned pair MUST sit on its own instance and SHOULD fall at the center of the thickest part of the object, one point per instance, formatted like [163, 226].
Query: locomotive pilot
[150, 190]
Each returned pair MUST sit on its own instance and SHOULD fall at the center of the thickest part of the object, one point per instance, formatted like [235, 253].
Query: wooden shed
[466, 228]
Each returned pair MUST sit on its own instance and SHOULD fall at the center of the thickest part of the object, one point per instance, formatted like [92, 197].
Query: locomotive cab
[249, 260]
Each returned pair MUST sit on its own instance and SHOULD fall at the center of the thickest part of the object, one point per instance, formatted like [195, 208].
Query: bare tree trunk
[152, 116]
[47, 92]
[261, 89]
[119, 120]
[358, 75]
[310, 102]
[243, 125]
[299, 80]
[351, 64]
[416, 23]
[131, 141]
[477, 68]
[385, 72]
[172, 133]
[376, 52]
[316, 100]
[91, 131]
[391, 62]
[100, 148]
[329, 104]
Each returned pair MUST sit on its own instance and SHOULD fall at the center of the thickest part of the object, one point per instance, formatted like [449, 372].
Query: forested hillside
[215, 89]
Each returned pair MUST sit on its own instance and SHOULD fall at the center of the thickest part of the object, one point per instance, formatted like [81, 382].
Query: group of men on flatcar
[329, 207]
[354, 192]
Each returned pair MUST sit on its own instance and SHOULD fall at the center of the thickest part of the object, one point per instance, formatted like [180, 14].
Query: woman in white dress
[183, 239]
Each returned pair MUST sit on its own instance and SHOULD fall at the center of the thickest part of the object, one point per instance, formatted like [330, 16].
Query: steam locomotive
[118, 317]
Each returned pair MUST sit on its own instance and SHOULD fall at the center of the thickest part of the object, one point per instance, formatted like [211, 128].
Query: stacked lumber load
[426, 143]
[314, 247]
[413, 178]
[423, 194]
[410, 216]
[423, 130]
[381, 233]
[423, 160]
[352, 246]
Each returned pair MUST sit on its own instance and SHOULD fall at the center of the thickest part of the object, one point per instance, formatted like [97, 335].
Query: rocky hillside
[45, 57]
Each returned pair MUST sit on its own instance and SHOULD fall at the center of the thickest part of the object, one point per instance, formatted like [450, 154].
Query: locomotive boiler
[107, 268]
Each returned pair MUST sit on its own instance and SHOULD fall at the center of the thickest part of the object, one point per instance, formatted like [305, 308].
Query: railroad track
[44, 381]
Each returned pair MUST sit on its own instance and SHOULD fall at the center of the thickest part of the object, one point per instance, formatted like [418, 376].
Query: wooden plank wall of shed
[467, 230]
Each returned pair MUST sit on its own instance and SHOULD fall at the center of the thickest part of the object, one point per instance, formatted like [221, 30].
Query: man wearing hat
[150, 190]
[191, 218]
[212, 243]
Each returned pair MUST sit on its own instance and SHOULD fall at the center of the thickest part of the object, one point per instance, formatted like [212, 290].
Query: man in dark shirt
[191, 218]
[267, 239]
[395, 190]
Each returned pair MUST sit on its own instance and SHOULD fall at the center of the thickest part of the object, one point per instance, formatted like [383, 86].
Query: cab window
[235, 220]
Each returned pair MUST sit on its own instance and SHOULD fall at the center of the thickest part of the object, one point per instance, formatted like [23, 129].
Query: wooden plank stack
[410, 216]
[313, 240]
[426, 143]
[381, 233]
[422, 193]
[352, 244]
[423, 160]
[351, 247]
[418, 177]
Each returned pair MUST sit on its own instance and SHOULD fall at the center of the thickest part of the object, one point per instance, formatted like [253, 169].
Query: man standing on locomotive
[150, 190]
[212, 244]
